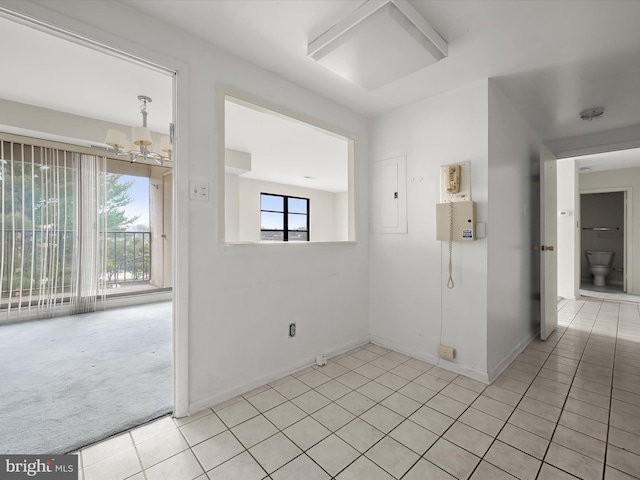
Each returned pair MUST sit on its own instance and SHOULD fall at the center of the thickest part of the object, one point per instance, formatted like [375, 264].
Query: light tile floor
[568, 407]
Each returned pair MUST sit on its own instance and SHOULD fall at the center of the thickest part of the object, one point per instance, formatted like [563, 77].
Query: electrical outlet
[292, 330]
[446, 352]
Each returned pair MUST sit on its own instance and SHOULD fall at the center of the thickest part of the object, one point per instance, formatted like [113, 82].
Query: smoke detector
[591, 113]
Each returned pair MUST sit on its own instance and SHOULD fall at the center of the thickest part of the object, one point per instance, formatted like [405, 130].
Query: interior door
[548, 242]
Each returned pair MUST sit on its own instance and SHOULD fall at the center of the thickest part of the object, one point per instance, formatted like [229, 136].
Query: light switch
[199, 191]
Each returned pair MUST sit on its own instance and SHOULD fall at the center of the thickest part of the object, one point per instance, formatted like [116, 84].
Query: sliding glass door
[52, 213]
[77, 228]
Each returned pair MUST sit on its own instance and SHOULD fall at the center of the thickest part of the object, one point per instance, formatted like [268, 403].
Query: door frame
[89, 35]
[548, 243]
[628, 230]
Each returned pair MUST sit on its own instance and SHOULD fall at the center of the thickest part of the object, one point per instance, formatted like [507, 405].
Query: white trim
[370, 7]
[622, 138]
[496, 371]
[66, 34]
[250, 100]
[454, 367]
[180, 253]
[141, 299]
[628, 230]
[220, 397]
[594, 150]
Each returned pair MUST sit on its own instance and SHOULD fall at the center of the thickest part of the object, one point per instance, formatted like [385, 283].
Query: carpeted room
[73, 380]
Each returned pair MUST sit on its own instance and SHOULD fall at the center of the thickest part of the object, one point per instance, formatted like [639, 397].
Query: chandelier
[141, 140]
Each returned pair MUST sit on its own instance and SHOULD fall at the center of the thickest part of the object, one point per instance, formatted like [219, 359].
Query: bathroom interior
[602, 240]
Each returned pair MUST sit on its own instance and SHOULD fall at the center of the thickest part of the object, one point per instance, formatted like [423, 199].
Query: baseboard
[65, 309]
[454, 367]
[496, 371]
[216, 399]
[138, 299]
[569, 296]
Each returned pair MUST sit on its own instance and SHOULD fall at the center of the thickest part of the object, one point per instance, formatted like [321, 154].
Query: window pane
[127, 203]
[271, 221]
[272, 202]
[298, 205]
[272, 236]
[297, 222]
[297, 236]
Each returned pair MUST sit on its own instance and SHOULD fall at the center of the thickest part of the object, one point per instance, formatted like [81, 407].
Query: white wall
[322, 212]
[341, 216]
[230, 328]
[490, 315]
[411, 307]
[59, 123]
[514, 159]
[568, 229]
[232, 207]
[615, 179]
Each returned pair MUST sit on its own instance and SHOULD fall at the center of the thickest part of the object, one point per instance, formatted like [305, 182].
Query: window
[284, 218]
[274, 151]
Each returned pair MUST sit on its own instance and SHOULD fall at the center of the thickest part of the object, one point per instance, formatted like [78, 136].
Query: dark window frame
[285, 213]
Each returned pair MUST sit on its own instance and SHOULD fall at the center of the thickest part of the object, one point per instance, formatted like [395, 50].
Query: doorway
[76, 365]
[606, 180]
[602, 241]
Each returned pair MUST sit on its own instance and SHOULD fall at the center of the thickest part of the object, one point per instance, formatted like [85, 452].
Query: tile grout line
[522, 397]
[613, 372]
[596, 324]
[370, 380]
[570, 385]
[515, 407]
[135, 446]
[307, 415]
[424, 404]
[379, 402]
[363, 454]
[567, 397]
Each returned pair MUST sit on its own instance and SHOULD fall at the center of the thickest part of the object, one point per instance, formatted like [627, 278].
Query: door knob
[550, 248]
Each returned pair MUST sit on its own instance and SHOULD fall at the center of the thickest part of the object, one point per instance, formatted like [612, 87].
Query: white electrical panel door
[390, 195]
[388, 182]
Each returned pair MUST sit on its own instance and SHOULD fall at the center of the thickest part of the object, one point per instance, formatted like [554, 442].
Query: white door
[548, 242]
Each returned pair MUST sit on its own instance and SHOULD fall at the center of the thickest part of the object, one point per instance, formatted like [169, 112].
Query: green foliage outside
[45, 198]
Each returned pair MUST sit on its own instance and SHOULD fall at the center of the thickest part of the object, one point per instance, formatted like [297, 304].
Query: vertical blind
[52, 215]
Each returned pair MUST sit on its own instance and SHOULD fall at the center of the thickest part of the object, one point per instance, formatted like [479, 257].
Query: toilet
[599, 266]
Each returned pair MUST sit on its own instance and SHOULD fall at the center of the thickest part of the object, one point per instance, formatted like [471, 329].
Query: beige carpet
[70, 381]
